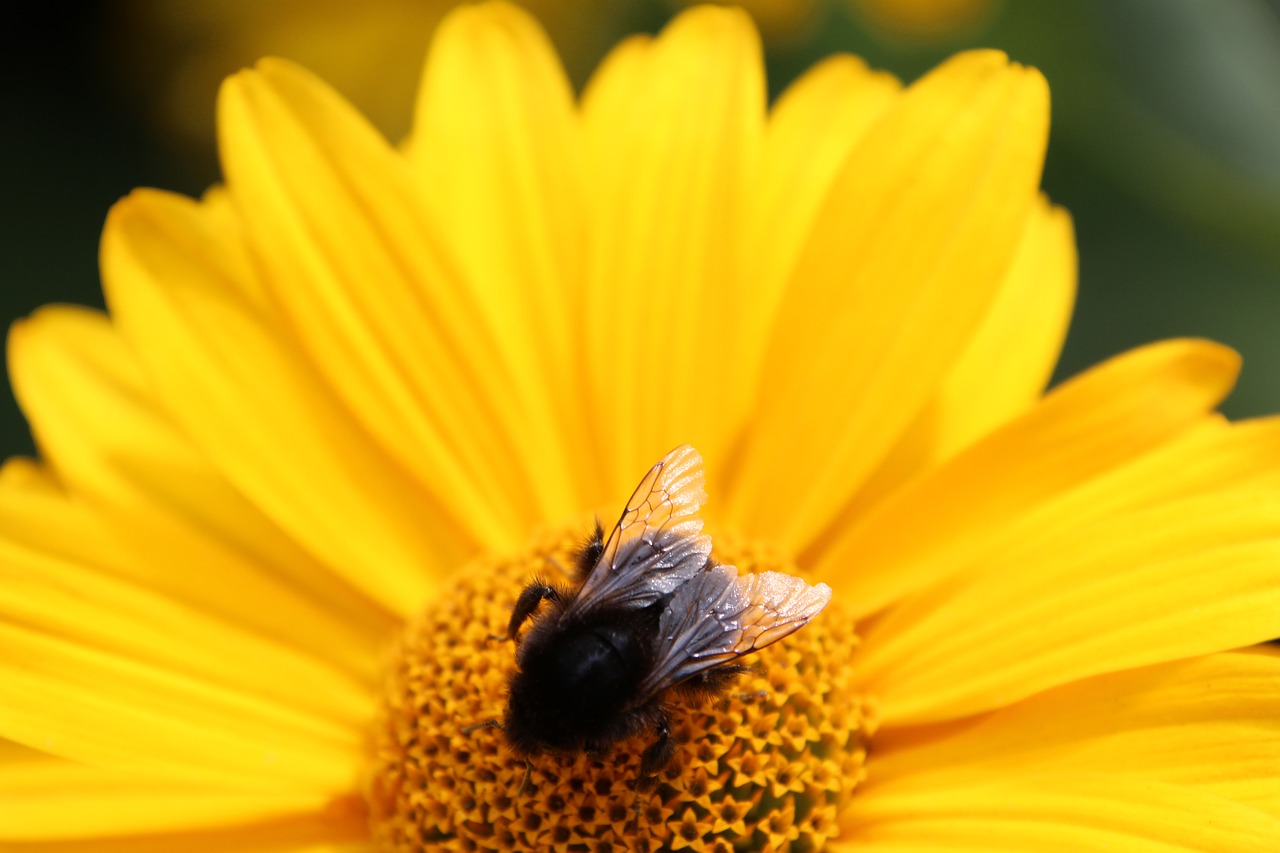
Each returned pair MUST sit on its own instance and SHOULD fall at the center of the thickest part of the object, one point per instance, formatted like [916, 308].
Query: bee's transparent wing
[719, 616]
[658, 544]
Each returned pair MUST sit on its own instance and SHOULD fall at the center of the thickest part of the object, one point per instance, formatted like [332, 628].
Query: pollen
[771, 764]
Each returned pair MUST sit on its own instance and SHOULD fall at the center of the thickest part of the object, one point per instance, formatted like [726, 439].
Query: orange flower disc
[769, 765]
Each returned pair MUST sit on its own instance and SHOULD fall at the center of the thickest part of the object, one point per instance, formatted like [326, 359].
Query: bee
[651, 616]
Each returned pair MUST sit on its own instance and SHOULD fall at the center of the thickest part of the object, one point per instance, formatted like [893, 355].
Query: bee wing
[719, 616]
[658, 543]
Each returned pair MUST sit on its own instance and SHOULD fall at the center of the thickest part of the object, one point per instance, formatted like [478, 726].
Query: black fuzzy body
[576, 681]
[650, 616]
[578, 677]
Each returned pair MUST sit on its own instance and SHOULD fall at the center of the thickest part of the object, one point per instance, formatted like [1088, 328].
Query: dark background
[1165, 147]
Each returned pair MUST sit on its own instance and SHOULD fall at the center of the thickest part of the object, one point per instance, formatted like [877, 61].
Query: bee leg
[530, 597]
[637, 802]
[753, 696]
[715, 682]
[487, 724]
[712, 682]
[657, 756]
[528, 774]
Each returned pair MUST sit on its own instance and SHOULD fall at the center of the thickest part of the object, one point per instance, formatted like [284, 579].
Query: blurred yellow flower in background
[788, 21]
[926, 19]
[370, 52]
[779, 21]
[346, 403]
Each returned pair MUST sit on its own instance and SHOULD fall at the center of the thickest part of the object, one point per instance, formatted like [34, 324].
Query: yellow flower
[174, 55]
[343, 407]
[781, 22]
[926, 19]
[785, 22]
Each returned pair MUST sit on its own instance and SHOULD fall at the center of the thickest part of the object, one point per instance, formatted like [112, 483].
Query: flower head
[344, 406]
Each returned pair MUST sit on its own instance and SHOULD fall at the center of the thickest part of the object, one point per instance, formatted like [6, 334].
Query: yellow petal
[155, 495]
[1076, 813]
[1184, 577]
[87, 605]
[26, 473]
[266, 838]
[496, 145]
[269, 838]
[1210, 723]
[39, 795]
[1085, 427]
[903, 262]
[317, 832]
[354, 260]
[673, 128]
[812, 129]
[1006, 366]
[236, 385]
[104, 709]
[37, 514]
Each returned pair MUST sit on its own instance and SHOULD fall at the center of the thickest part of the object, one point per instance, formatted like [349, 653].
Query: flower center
[768, 765]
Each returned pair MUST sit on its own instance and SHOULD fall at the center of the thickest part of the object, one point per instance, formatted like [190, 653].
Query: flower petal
[317, 832]
[1211, 723]
[92, 605]
[1095, 812]
[1085, 427]
[814, 126]
[104, 709]
[496, 145]
[349, 251]
[268, 838]
[89, 607]
[1007, 365]
[155, 495]
[234, 383]
[1003, 369]
[39, 793]
[901, 266]
[673, 128]
[1187, 575]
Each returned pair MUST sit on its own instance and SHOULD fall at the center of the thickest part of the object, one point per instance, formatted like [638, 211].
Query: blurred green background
[1165, 144]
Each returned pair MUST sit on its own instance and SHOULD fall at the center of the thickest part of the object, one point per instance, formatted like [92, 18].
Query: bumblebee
[650, 616]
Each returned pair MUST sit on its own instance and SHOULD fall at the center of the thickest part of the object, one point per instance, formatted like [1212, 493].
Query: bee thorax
[572, 687]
